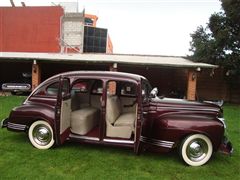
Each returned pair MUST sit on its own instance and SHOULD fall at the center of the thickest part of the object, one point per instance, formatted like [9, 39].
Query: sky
[154, 27]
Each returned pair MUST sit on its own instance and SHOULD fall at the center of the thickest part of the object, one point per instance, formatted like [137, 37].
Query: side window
[80, 87]
[48, 90]
[65, 89]
[52, 89]
[146, 89]
[122, 88]
[112, 88]
[97, 87]
[128, 89]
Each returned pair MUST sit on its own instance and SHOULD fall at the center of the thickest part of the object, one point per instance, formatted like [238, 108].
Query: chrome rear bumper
[4, 123]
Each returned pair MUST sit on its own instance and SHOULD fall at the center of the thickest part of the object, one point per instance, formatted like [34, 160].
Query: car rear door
[63, 110]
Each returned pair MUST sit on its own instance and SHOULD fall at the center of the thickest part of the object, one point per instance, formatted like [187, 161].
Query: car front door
[63, 110]
[142, 112]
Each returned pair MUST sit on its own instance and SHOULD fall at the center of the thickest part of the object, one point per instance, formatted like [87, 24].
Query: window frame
[44, 89]
[118, 90]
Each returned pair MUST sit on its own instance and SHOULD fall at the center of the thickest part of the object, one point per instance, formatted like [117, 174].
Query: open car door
[63, 110]
[142, 114]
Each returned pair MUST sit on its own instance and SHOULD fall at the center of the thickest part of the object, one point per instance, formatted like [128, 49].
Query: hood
[182, 105]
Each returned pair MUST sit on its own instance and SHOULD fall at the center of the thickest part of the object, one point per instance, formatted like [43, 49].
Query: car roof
[92, 74]
[101, 74]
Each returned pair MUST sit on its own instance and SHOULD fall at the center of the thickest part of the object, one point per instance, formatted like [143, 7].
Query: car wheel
[41, 135]
[196, 149]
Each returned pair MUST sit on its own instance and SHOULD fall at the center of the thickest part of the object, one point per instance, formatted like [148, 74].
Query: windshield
[146, 89]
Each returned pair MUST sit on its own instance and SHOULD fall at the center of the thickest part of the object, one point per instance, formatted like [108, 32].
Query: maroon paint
[158, 119]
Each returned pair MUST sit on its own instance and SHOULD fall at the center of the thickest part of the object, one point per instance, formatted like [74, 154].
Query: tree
[219, 42]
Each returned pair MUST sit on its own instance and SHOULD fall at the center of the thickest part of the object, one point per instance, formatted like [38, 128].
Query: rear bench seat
[83, 120]
[119, 124]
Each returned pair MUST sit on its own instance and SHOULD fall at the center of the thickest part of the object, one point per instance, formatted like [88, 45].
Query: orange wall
[30, 29]
[93, 17]
[109, 49]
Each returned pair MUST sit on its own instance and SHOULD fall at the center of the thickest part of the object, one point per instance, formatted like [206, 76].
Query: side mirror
[154, 93]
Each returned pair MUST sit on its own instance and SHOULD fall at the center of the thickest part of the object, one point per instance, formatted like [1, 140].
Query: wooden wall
[218, 86]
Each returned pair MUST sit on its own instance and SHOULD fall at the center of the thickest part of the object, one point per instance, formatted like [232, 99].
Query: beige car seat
[119, 124]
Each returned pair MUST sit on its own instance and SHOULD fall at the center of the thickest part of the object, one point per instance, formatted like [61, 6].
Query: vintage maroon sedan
[121, 109]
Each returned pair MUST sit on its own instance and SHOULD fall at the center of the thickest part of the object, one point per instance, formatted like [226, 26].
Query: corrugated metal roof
[152, 60]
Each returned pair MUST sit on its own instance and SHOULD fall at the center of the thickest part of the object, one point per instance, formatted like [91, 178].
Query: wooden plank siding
[218, 86]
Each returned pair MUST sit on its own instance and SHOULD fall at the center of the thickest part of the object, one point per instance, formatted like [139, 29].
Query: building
[51, 29]
[50, 40]
[167, 73]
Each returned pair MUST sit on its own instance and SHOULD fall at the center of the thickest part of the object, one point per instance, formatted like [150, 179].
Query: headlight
[223, 121]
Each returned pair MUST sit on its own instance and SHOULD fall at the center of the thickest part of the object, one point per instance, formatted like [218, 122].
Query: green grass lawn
[19, 160]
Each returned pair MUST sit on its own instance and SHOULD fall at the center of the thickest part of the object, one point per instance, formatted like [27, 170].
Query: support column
[192, 85]
[36, 74]
[113, 67]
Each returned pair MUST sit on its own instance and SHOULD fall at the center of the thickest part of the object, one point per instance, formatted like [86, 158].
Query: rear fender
[27, 114]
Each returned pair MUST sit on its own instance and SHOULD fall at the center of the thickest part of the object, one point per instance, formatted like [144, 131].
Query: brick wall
[192, 81]
[36, 75]
[30, 29]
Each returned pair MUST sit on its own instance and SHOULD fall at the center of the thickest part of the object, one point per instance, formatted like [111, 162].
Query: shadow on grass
[118, 151]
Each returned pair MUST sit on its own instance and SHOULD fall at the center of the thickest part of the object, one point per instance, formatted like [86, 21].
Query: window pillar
[112, 84]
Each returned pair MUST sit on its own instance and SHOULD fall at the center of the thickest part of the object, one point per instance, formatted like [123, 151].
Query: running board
[104, 140]
[118, 141]
[84, 137]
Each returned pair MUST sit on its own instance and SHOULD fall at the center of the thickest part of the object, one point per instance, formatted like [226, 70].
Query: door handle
[145, 112]
[58, 111]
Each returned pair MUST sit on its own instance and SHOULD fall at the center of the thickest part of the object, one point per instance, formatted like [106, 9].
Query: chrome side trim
[222, 120]
[156, 142]
[84, 137]
[185, 108]
[19, 127]
[118, 141]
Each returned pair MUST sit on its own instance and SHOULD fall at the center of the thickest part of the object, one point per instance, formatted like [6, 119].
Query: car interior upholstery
[85, 112]
[120, 113]
[119, 124]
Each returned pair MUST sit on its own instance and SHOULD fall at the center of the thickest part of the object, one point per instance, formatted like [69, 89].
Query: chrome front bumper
[226, 146]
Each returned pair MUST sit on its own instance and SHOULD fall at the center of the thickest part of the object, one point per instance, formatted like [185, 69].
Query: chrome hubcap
[42, 135]
[197, 150]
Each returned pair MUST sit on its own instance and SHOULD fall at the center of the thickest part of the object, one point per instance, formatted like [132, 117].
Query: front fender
[175, 127]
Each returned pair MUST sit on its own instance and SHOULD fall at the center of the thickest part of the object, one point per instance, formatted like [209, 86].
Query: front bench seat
[119, 124]
[83, 120]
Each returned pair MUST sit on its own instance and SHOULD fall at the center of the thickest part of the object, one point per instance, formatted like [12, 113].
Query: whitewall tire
[196, 149]
[40, 135]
